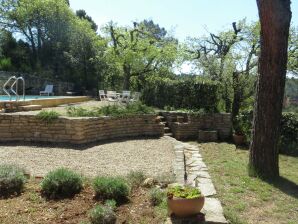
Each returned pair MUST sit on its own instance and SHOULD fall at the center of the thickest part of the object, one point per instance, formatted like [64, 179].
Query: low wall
[15, 127]
[191, 124]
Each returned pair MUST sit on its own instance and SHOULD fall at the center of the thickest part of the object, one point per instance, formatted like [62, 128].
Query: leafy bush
[182, 93]
[102, 215]
[5, 64]
[48, 116]
[243, 124]
[111, 188]
[61, 183]
[183, 192]
[111, 203]
[289, 132]
[111, 110]
[12, 180]
[136, 178]
[157, 196]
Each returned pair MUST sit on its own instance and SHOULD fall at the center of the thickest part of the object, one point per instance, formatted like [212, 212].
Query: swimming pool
[29, 97]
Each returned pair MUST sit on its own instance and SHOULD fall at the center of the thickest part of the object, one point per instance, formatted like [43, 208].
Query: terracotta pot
[238, 139]
[182, 207]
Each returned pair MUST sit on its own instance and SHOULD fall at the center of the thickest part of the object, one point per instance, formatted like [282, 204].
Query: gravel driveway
[152, 156]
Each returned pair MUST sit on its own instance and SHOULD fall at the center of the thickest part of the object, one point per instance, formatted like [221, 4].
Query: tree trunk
[275, 17]
[127, 74]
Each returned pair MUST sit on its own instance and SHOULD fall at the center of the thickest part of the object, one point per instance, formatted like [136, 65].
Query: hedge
[288, 132]
[190, 94]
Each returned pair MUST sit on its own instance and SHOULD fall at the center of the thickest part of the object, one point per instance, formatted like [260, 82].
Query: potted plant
[184, 201]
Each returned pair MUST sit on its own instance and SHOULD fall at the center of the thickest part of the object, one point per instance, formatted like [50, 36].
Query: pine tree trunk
[275, 17]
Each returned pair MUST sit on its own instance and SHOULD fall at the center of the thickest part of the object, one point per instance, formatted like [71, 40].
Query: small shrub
[48, 116]
[136, 178]
[12, 180]
[61, 183]
[157, 196]
[111, 203]
[102, 215]
[110, 110]
[289, 133]
[111, 188]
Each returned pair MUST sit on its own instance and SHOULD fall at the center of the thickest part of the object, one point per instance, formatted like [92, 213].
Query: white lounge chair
[112, 96]
[125, 97]
[102, 95]
[47, 91]
[136, 97]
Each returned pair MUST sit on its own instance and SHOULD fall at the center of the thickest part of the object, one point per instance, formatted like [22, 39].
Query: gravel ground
[154, 157]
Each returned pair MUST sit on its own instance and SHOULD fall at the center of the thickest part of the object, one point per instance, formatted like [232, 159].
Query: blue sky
[183, 17]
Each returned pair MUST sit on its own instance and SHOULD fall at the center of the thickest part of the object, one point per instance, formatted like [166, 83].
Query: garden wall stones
[19, 127]
[189, 128]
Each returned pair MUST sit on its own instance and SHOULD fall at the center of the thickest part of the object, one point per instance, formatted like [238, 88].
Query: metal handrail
[5, 84]
[15, 83]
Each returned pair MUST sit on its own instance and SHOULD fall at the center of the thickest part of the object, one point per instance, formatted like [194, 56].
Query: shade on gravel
[152, 156]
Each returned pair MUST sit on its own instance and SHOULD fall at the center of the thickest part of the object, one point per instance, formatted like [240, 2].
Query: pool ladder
[10, 88]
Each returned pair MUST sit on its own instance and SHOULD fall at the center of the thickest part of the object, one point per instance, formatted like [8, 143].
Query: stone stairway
[167, 129]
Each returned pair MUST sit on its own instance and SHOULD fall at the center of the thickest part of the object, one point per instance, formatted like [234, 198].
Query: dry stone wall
[16, 127]
[189, 125]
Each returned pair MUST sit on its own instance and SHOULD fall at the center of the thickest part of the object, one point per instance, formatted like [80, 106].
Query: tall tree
[275, 17]
[81, 13]
[138, 52]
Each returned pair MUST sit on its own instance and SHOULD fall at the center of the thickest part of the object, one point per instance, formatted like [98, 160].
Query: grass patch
[111, 110]
[48, 116]
[251, 200]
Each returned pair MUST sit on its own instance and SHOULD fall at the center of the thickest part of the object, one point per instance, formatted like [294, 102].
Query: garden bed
[30, 207]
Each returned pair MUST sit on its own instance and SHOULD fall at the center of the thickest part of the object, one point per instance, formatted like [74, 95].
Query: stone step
[167, 130]
[162, 118]
[169, 134]
[30, 107]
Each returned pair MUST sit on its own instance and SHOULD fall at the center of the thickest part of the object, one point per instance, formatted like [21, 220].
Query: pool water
[3, 98]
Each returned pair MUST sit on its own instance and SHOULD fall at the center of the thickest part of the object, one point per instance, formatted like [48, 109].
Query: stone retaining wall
[189, 128]
[16, 127]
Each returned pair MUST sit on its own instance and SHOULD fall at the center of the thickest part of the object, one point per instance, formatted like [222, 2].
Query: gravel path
[153, 156]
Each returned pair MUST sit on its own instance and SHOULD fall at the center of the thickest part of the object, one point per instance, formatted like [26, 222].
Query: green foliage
[5, 64]
[102, 215]
[12, 180]
[111, 203]
[136, 178]
[48, 116]
[182, 93]
[242, 124]
[111, 110]
[61, 183]
[111, 188]
[184, 192]
[289, 132]
[157, 196]
[289, 129]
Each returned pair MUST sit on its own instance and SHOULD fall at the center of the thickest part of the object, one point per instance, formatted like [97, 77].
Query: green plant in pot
[184, 201]
[239, 132]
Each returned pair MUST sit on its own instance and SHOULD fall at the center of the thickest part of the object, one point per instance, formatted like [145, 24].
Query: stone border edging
[189, 164]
